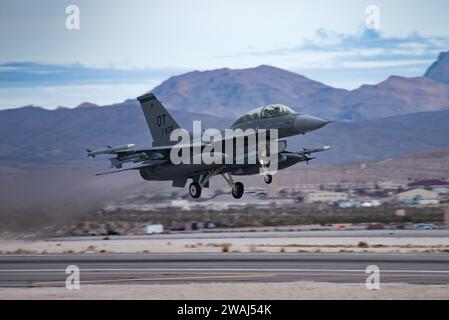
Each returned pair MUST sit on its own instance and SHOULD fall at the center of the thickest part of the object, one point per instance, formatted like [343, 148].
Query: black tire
[195, 190]
[268, 178]
[237, 193]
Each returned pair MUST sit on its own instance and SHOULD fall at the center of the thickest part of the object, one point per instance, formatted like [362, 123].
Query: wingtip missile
[310, 151]
[110, 150]
[89, 153]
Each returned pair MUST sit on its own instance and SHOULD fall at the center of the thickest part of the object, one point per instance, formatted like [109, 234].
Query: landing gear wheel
[268, 178]
[195, 190]
[237, 192]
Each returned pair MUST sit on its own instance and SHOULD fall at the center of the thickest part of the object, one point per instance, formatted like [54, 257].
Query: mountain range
[228, 91]
[33, 134]
[397, 116]
[439, 70]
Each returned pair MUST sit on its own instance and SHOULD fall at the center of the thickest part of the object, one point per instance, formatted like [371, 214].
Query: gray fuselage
[288, 125]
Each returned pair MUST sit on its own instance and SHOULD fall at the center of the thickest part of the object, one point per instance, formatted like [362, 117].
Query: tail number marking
[160, 121]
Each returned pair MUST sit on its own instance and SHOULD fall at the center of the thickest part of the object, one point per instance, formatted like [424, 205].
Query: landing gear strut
[196, 186]
[237, 187]
[203, 181]
[268, 178]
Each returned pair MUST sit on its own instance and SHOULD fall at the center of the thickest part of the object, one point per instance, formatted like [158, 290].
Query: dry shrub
[225, 247]
[363, 244]
[91, 248]
[23, 251]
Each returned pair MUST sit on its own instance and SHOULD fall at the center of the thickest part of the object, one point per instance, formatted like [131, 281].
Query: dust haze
[37, 196]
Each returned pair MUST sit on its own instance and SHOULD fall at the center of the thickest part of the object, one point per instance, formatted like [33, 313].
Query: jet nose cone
[309, 123]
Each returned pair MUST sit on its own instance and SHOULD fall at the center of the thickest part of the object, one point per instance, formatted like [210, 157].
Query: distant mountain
[33, 134]
[397, 116]
[394, 96]
[439, 70]
[36, 134]
[379, 138]
[426, 164]
[238, 90]
[227, 91]
[86, 105]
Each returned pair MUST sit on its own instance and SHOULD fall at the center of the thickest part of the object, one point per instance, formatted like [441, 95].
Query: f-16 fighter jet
[178, 156]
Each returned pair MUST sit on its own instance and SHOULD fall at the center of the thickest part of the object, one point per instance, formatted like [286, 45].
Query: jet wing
[130, 150]
[133, 168]
[127, 153]
[120, 152]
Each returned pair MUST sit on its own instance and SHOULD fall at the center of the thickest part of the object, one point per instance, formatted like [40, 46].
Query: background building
[417, 194]
[429, 184]
[325, 196]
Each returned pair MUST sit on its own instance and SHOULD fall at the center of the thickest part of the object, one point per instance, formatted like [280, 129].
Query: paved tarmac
[49, 269]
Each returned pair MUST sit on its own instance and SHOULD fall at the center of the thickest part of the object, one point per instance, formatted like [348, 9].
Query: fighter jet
[156, 164]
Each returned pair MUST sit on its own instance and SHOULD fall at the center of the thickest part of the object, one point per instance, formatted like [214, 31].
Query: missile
[309, 151]
[110, 150]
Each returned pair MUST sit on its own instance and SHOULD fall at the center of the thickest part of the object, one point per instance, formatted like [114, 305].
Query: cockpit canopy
[269, 111]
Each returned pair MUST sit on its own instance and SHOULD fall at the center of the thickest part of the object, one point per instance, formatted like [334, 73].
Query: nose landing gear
[268, 178]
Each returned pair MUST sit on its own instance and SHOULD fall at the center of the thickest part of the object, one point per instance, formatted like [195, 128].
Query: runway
[48, 270]
[277, 233]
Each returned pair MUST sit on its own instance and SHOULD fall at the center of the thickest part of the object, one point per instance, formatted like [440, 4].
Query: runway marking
[248, 276]
[223, 270]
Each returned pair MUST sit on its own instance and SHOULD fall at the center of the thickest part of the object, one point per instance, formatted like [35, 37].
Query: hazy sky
[124, 48]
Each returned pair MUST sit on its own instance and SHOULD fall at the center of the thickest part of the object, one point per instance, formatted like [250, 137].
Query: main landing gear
[195, 190]
[195, 187]
[237, 187]
[238, 190]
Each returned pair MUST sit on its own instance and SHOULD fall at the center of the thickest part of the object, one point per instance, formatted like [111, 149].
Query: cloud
[53, 85]
[368, 48]
[369, 39]
[51, 97]
[339, 59]
[32, 74]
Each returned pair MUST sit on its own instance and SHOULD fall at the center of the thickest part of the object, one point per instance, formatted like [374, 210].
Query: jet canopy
[269, 111]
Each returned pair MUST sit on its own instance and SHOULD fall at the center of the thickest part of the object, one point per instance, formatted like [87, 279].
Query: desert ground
[167, 287]
[226, 244]
[237, 291]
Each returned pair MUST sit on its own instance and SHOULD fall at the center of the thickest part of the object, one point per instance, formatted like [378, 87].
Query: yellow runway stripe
[211, 277]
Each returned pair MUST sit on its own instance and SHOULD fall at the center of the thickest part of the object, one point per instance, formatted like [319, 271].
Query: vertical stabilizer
[159, 121]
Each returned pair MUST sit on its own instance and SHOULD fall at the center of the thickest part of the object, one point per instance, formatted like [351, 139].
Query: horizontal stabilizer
[121, 170]
[144, 165]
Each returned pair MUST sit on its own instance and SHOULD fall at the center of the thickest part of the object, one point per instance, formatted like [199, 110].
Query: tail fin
[159, 121]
